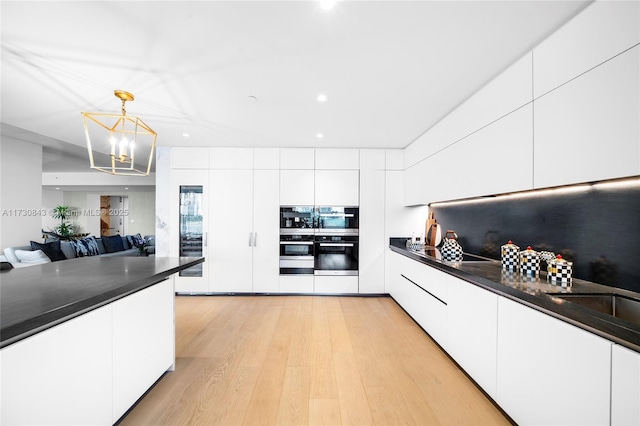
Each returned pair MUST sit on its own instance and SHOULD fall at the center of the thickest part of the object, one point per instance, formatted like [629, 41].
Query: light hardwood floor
[308, 360]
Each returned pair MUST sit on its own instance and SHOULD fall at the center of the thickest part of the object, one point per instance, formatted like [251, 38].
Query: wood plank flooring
[308, 360]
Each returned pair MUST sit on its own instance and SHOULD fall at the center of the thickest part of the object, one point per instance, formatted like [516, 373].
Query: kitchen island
[542, 359]
[83, 339]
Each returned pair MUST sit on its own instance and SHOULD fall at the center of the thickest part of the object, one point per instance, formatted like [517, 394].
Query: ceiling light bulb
[319, 136]
[186, 135]
[322, 97]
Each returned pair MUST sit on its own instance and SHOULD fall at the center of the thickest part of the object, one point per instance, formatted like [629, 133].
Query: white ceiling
[390, 69]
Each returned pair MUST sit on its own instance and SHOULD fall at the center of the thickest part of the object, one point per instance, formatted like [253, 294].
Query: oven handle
[296, 243]
[337, 244]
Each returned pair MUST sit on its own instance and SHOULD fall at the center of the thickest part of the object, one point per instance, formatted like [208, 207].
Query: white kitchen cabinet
[335, 285]
[297, 188]
[494, 160]
[189, 213]
[588, 129]
[336, 159]
[550, 372]
[266, 236]
[625, 386]
[374, 159]
[601, 31]
[189, 158]
[231, 158]
[296, 284]
[505, 94]
[231, 231]
[297, 158]
[372, 231]
[472, 327]
[337, 188]
[421, 291]
[60, 376]
[143, 343]
[266, 158]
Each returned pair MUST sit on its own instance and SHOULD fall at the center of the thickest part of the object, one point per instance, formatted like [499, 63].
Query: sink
[615, 305]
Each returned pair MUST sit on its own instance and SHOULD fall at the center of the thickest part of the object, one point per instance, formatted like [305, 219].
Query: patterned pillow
[138, 241]
[86, 247]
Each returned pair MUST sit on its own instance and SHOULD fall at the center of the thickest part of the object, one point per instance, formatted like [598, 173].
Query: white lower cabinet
[625, 386]
[335, 285]
[472, 331]
[419, 291]
[296, 283]
[91, 369]
[550, 372]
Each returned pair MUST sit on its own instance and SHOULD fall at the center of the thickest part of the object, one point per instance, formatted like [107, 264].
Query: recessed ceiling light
[186, 135]
[328, 4]
[319, 136]
[57, 188]
[322, 97]
[126, 187]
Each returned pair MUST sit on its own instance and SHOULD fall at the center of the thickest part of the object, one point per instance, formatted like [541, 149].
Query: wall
[50, 199]
[594, 226]
[140, 218]
[21, 192]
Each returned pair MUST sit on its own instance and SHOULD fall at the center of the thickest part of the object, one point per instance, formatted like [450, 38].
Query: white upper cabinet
[231, 158]
[496, 159]
[297, 188]
[337, 159]
[394, 159]
[189, 158]
[601, 31]
[589, 129]
[266, 158]
[372, 159]
[504, 94]
[297, 158]
[337, 188]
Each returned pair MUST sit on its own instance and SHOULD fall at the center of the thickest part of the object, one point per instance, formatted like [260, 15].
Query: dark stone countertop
[38, 297]
[533, 292]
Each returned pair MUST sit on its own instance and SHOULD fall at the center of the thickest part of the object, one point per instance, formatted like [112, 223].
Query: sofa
[57, 250]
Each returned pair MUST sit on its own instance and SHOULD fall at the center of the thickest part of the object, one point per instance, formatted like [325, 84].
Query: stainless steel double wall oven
[319, 240]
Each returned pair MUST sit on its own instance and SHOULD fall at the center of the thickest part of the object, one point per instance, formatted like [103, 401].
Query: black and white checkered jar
[451, 250]
[509, 253]
[529, 262]
[559, 272]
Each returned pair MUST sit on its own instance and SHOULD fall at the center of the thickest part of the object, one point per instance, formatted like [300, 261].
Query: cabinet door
[60, 376]
[625, 386]
[472, 321]
[550, 372]
[336, 159]
[189, 211]
[231, 226]
[337, 188]
[266, 237]
[296, 187]
[372, 240]
[589, 128]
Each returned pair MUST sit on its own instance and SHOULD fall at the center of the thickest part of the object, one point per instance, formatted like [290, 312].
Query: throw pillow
[32, 257]
[113, 243]
[52, 250]
[86, 247]
[138, 241]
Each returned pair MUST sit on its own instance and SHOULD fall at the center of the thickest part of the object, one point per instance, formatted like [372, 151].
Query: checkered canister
[529, 262]
[509, 253]
[559, 272]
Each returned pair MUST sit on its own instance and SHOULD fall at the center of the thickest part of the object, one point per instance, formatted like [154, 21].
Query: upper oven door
[296, 220]
[337, 220]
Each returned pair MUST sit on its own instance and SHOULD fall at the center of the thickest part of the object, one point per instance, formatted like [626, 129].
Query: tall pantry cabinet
[240, 229]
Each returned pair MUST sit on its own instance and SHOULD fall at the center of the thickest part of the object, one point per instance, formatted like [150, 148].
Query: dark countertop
[38, 297]
[533, 293]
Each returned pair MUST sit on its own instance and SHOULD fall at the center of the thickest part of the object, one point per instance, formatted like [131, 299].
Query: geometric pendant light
[119, 144]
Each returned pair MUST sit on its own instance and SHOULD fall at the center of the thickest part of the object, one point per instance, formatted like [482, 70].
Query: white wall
[141, 217]
[21, 192]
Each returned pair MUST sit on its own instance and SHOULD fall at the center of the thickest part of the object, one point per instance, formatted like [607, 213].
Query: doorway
[113, 212]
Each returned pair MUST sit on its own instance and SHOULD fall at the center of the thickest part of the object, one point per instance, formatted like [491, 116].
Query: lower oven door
[336, 255]
[296, 255]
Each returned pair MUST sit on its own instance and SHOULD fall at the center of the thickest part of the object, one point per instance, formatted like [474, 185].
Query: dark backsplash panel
[598, 228]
